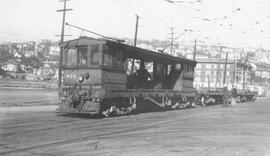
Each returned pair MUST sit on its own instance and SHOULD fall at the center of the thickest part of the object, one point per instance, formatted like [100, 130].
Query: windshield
[82, 56]
[76, 56]
[71, 59]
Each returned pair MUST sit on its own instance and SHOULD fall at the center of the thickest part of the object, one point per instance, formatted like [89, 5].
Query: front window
[71, 57]
[95, 54]
[119, 60]
[108, 61]
[82, 56]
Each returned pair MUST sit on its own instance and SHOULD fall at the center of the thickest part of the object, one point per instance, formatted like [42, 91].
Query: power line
[136, 10]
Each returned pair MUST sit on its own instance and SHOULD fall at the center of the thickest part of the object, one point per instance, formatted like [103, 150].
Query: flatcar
[102, 76]
[208, 97]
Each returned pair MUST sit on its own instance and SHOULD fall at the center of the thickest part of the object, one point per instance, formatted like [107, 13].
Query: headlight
[86, 76]
[80, 79]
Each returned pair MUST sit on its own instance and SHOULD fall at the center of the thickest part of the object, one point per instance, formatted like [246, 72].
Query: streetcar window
[170, 68]
[108, 61]
[159, 69]
[82, 56]
[71, 57]
[95, 54]
[188, 68]
[185, 69]
[119, 60]
[114, 57]
[178, 67]
[191, 68]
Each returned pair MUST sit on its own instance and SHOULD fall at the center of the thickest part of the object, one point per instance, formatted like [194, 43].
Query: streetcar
[102, 76]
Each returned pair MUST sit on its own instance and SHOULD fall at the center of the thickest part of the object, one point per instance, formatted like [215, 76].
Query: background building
[209, 73]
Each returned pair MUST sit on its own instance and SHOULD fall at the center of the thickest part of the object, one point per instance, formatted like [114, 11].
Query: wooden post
[235, 71]
[225, 69]
[135, 41]
[244, 78]
[217, 75]
[62, 40]
[208, 82]
[244, 72]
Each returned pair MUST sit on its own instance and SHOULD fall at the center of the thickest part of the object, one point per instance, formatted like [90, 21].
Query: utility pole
[235, 68]
[135, 41]
[244, 72]
[62, 40]
[172, 38]
[136, 30]
[208, 80]
[244, 78]
[194, 52]
[217, 75]
[220, 77]
[225, 69]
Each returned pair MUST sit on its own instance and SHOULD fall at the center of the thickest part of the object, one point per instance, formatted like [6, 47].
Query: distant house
[10, 66]
[29, 53]
[54, 50]
[30, 76]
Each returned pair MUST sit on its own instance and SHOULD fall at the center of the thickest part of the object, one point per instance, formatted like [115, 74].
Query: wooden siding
[72, 76]
[114, 80]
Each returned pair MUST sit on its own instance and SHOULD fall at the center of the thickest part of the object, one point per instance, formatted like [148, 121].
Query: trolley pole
[225, 69]
[62, 40]
[135, 41]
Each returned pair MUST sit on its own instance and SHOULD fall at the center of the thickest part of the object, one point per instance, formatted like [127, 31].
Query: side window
[95, 54]
[119, 59]
[159, 69]
[71, 57]
[185, 68]
[82, 56]
[191, 69]
[113, 57]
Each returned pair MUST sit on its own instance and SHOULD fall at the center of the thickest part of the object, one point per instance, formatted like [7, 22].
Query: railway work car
[107, 77]
[208, 97]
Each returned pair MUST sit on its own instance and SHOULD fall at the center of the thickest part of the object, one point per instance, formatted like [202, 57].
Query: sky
[233, 23]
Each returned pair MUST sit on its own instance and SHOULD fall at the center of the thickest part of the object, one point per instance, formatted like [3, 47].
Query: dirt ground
[30, 96]
[37, 130]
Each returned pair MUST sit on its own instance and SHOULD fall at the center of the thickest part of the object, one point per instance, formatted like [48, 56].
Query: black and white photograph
[135, 77]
